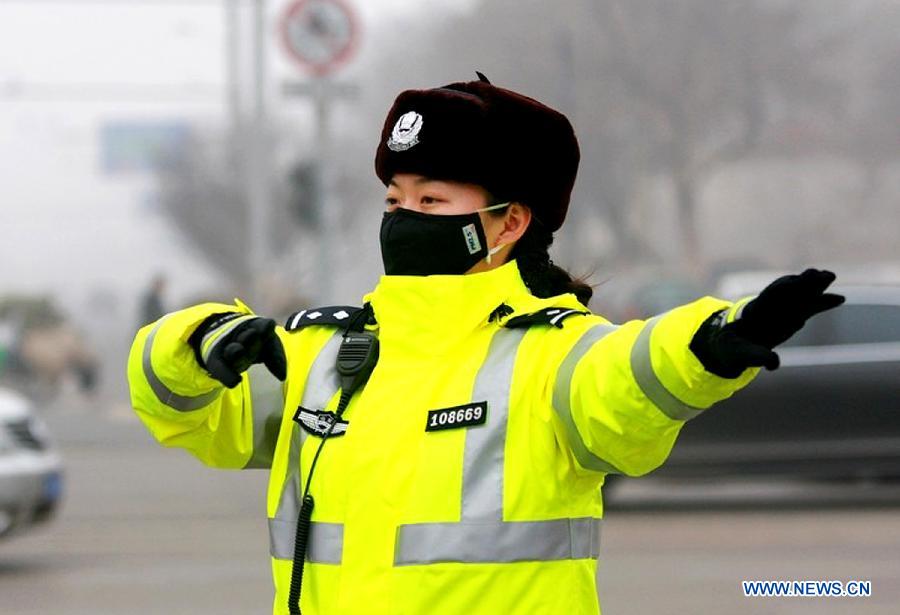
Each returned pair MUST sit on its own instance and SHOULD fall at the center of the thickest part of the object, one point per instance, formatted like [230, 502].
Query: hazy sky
[67, 228]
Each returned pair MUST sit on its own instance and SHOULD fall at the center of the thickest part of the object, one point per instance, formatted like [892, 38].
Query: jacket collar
[432, 314]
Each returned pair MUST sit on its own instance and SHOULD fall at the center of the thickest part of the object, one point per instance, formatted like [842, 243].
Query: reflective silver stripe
[482, 482]
[326, 541]
[646, 378]
[282, 528]
[481, 535]
[321, 384]
[218, 334]
[513, 541]
[167, 396]
[267, 404]
[562, 399]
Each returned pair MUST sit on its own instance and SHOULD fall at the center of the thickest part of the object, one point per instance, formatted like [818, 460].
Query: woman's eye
[428, 200]
[391, 201]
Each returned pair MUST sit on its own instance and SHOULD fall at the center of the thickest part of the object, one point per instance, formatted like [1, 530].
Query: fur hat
[514, 146]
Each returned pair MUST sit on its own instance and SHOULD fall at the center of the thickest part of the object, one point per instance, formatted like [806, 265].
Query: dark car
[832, 410]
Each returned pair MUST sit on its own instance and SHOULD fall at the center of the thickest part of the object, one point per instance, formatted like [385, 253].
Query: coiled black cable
[300, 540]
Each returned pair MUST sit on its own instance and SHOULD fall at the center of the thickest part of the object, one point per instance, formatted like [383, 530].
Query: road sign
[127, 146]
[320, 35]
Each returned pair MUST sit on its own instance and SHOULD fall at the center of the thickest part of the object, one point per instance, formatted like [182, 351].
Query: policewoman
[440, 447]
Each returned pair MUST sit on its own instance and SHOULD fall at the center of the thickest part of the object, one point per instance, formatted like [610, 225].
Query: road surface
[148, 530]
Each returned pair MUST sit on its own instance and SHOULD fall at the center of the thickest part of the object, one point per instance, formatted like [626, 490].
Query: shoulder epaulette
[548, 316]
[335, 315]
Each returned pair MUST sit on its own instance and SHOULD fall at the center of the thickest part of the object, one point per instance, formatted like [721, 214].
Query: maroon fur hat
[514, 146]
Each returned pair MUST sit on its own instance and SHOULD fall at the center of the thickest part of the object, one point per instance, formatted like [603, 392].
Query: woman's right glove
[730, 341]
[227, 344]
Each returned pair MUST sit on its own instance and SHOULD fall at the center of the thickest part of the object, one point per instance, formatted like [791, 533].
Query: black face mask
[415, 243]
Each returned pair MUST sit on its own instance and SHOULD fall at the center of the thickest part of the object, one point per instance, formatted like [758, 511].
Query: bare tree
[652, 86]
[711, 81]
[655, 88]
[204, 194]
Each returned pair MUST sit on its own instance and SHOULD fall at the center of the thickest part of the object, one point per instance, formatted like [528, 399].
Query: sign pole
[326, 205]
[258, 184]
[320, 35]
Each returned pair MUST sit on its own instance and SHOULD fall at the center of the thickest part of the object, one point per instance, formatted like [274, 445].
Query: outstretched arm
[178, 385]
[623, 393]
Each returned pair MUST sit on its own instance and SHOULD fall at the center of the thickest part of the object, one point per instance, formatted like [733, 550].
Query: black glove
[730, 341]
[227, 344]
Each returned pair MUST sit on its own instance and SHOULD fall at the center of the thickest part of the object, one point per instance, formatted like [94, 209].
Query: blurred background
[155, 154]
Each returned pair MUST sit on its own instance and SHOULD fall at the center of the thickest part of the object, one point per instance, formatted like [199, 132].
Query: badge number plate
[467, 415]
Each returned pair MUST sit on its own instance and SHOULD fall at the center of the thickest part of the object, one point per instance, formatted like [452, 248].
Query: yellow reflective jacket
[467, 477]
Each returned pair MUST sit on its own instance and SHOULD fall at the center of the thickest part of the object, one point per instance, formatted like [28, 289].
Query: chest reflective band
[267, 403]
[481, 535]
[326, 540]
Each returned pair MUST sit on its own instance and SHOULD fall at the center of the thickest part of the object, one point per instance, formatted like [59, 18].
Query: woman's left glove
[730, 341]
[227, 344]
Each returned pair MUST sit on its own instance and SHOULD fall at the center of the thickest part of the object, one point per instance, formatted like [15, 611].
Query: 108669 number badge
[466, 415]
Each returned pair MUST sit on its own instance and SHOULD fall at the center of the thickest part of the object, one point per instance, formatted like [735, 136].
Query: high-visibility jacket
[467, 477]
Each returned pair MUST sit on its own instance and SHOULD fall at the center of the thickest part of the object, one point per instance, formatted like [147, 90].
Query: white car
[30, 466]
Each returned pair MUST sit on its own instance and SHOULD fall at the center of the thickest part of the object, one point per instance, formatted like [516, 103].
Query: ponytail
[542, 277]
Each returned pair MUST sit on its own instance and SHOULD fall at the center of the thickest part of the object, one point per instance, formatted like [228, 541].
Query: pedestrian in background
[472, 405]
[152, 304]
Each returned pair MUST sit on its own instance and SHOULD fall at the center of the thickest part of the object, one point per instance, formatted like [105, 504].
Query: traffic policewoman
[441, 448]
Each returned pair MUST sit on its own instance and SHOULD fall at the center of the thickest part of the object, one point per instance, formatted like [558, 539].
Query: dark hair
[542, 277]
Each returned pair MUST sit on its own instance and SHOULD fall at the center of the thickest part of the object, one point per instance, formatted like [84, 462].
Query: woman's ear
[515, 223]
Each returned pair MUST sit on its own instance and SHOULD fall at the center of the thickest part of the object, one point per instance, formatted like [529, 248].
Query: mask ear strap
[497, 206]
[493, 251]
